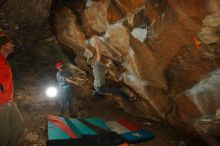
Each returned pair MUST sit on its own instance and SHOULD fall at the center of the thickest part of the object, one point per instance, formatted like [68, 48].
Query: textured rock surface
[202, 98]
[151, 49]
[68, 31]
[126, 6]
[176, 82]
[32, 20]
[95, 17]
[209, 32]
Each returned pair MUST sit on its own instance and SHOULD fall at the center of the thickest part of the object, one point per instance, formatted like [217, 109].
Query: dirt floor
[35, 109]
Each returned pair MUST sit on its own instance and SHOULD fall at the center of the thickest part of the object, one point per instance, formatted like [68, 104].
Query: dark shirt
[61, 78]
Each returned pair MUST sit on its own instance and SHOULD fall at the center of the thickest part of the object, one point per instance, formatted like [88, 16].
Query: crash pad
[130, 131]
[81, 132]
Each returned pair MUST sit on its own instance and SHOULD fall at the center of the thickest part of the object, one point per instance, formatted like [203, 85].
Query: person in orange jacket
[11, 121]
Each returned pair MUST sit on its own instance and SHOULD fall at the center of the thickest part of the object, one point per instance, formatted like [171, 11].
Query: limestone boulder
[68, 32]
[154, 9]
[137, 19]
[118, 37]
[210, 27]
[201, 100]
[95, 17]
[148, 46]
[148, 68]
[145, 77]
[127, 6]
[208, 128]
[108, 50]
[187, 12]
[212, 20]
[114, 14]
[214, 6]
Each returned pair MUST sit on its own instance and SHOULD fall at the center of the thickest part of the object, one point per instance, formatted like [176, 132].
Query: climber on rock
[99, 76]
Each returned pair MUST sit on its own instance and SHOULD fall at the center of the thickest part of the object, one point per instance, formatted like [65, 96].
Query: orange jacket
[6, 81]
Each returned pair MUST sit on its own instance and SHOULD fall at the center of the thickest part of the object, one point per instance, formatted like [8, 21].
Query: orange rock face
[95, 17]
[114, 14]
[127, 6]
[176, 82]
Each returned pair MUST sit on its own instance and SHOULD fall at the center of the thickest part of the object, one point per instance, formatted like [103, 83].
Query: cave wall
[165, 51]
[26, 22]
